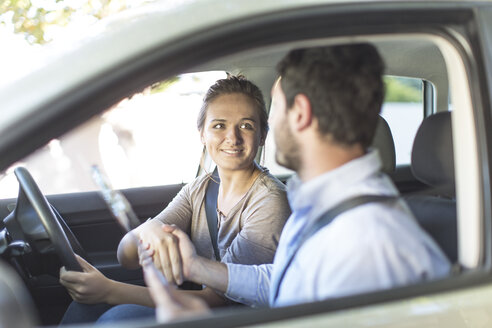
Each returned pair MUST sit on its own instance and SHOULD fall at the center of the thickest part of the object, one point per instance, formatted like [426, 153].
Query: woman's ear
[262, 139]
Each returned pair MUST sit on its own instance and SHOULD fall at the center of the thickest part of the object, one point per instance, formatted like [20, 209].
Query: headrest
[383, 141]
[432, 153]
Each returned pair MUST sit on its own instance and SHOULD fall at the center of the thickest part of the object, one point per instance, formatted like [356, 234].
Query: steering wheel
[37, 222]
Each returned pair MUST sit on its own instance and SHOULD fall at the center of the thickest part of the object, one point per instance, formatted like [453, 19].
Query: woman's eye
[246, 126]
[218, 126]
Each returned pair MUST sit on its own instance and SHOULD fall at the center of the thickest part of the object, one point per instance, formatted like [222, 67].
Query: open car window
[403, 110]
[148, 139]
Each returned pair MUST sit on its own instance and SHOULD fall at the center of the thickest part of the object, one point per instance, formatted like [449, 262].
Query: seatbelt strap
[211, 195]
[325, 219]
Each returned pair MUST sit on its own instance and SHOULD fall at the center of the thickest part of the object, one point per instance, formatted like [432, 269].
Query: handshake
[168, 258]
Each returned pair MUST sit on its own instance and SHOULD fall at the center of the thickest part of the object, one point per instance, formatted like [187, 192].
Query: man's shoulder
[374, 223]
[376, 217]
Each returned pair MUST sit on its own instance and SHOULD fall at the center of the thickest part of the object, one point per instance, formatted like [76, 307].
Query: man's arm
[193, 267]
[248, 284]
[210, 296]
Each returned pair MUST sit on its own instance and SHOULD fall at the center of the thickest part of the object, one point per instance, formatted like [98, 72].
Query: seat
[383, 141]
[17, 308]
[432, 163]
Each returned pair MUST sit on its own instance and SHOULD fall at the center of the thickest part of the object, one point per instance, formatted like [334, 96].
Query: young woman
[251, 208]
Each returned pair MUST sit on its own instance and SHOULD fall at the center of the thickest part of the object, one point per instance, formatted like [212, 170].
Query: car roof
[118, 39]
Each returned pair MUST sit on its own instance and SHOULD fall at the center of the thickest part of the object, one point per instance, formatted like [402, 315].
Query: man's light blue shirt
[371, 247]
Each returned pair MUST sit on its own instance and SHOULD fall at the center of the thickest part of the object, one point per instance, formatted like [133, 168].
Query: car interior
[426, 181]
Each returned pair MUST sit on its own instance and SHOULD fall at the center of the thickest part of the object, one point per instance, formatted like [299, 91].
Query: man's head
[344, 86]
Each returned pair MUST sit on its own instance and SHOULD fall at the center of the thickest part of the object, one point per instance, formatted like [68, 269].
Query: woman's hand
[162, 246]
[89, 287]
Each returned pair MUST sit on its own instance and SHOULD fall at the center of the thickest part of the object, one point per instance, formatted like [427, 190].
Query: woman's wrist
[111, 294]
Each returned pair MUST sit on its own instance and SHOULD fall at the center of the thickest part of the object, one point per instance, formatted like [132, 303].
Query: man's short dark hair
[344, 85]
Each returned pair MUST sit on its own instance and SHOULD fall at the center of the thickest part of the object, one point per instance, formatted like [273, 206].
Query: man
[325, 111]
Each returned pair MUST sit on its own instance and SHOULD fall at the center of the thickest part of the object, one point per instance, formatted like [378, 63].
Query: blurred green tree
[33, 18]
[399, 89]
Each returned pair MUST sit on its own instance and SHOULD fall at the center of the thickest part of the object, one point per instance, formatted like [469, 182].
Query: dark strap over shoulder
[344, 206]
[211, 210]
[326, 219]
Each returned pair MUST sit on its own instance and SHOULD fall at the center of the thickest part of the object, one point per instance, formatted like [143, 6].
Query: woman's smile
[232, 151]
[232, 133]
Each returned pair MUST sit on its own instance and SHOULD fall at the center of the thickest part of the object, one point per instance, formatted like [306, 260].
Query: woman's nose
[233, 135]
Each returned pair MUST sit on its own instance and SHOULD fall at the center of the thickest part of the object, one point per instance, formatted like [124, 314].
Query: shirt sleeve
[258, 238]
[179, 211]
[249, 284]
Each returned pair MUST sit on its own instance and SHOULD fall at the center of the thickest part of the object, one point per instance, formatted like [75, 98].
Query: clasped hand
[170, 249]
[175, 254]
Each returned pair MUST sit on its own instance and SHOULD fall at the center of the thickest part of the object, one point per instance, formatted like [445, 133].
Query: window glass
[145, 140]
[403, 109]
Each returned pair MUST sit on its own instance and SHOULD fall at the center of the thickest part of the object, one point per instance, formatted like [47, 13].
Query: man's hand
[186, 249]
[193, 267]
[162, 245]
[171, 304]
[89, 287]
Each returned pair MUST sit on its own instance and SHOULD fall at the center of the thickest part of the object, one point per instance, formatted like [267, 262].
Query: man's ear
[302, 112]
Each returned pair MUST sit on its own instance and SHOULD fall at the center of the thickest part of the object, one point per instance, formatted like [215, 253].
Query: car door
[88, 218]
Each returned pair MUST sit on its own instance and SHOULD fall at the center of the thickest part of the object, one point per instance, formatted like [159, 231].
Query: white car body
[115, 49]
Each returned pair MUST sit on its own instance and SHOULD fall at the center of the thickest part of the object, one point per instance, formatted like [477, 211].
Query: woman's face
[231, 131]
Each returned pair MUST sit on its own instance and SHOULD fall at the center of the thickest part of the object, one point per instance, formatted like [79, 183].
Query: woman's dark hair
[235, 84]
[344, 85]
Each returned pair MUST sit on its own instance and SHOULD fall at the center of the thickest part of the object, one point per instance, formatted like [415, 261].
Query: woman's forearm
[122, 293]
[128, 248]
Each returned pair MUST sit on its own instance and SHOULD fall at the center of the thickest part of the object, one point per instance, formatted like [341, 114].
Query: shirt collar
[332, 186]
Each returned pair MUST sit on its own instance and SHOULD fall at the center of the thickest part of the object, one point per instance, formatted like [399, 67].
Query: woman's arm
[91, 286]
[179, 213]
[127, 252]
